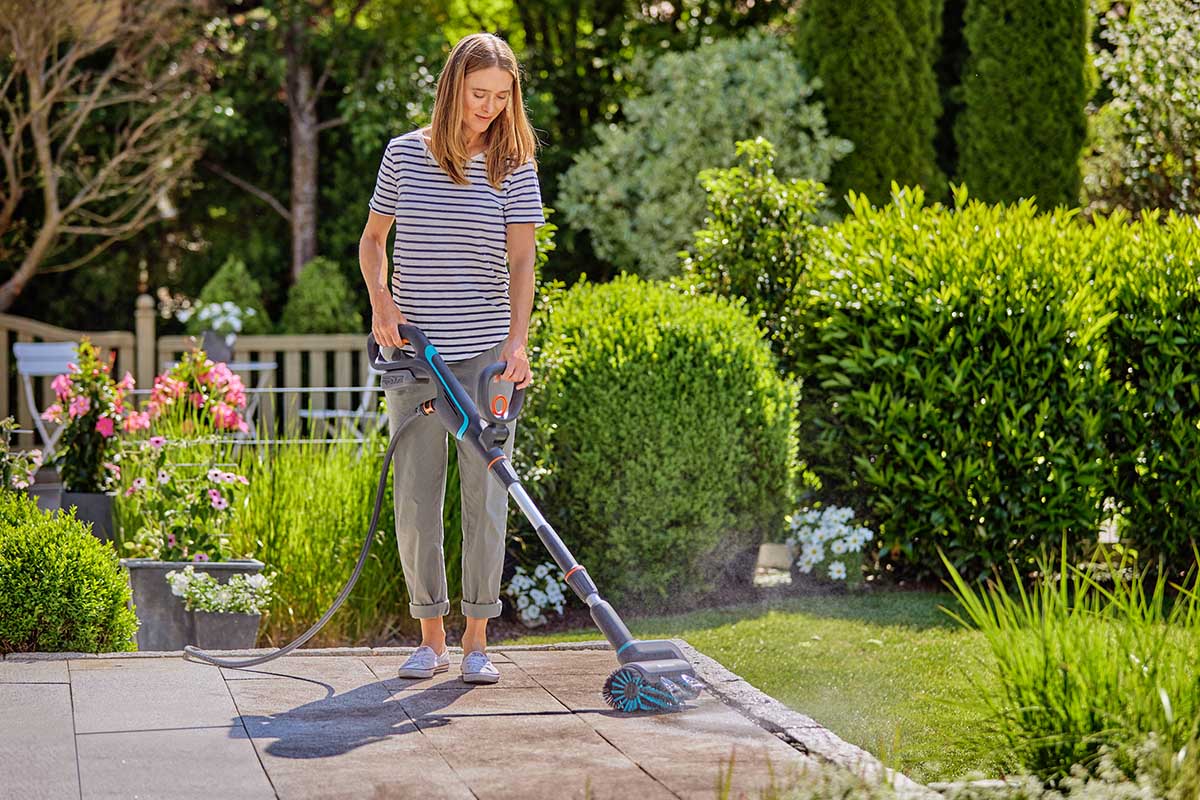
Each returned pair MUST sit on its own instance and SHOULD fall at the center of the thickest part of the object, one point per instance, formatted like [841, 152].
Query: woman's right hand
[385, 321]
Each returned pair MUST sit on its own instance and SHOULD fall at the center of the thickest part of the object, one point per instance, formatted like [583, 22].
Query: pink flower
[164, 476]
[138, 484]
[114, 469]
[53, 413]
[228, 477]
[214, 475]
[129, 492]
[197, 400]
[243, 480]
[62, 386]
[127, 383]
[200, 557]
[220, 503]
[158, 441]
[105, 426]
[170, 540]
[137, 420]
[80, 406]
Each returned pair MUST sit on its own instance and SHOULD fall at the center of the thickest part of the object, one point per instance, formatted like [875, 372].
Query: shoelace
[475, 662]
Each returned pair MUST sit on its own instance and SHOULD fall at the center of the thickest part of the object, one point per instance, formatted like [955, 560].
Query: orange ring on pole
[494, 460]
[572, 571]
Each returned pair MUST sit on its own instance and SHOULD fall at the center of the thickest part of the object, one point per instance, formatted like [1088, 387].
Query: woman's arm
[372, 262]
[522, 249]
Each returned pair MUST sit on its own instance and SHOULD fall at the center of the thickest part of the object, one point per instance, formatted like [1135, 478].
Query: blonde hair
[509, 140]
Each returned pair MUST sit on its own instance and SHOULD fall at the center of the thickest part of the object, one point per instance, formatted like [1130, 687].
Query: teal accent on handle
[622, 647]
[430, 352]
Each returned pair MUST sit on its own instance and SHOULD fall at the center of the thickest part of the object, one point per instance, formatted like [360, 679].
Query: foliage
[1089, 658]
[17, 468]
[61, 588]
[92, 407]
[231, 283]
[180, 513]
[306, 512]
[756, 240]
[536, 591]
[201, 591]
[1025, 85]
[197, 396]
[875, 61]
[955, 379]
[1147, 149]
[1150, 273]
[321, 301]
[621, 463]
[635, 191]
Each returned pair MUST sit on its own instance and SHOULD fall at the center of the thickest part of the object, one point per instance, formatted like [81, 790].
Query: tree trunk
[302, 113]
[12, 287]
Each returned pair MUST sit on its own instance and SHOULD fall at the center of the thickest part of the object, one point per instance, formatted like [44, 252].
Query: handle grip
[494, 407]
[412, 336]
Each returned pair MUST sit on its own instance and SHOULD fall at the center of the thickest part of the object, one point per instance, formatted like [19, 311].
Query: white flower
[164, 476]
[531, 613]
[257, 581]
[522, 601]
[538, 596]
[837, 571]
[542, 571]
[838, 547]
[214, 475]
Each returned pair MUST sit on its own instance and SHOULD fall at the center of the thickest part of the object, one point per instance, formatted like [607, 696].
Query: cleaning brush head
[630, 691]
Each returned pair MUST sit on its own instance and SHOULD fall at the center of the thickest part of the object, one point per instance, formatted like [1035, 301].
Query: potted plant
[16, 468]
[181, 517]
[827, 548]
[92, 407]
[197, 396]
[224, 616]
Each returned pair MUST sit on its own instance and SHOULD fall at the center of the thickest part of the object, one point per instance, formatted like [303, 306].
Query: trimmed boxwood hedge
[61, 588]
[657, 438]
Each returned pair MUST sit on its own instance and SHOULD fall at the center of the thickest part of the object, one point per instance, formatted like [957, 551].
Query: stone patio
[339, 724]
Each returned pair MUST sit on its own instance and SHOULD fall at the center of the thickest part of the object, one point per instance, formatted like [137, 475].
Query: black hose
[362, 560]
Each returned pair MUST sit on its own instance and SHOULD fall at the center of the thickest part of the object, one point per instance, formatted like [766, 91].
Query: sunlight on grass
[888, 671]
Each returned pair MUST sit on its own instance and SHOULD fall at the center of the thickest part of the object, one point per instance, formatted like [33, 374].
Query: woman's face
[487, 94]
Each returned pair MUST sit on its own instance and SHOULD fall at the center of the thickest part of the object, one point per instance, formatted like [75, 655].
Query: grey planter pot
[164, 624]
[93, 507]
[220, 631]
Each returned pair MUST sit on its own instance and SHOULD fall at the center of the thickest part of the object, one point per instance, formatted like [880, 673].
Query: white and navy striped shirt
[449, 260]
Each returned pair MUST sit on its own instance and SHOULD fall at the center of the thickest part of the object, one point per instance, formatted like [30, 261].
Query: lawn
[887, 671]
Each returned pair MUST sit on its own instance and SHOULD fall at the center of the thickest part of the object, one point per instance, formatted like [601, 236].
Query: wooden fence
[308, 367]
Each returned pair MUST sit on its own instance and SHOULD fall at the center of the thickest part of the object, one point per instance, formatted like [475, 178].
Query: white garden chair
[42, 360]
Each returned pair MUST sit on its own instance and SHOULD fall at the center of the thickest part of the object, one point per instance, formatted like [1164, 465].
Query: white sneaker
[478, 668]
[423, 663]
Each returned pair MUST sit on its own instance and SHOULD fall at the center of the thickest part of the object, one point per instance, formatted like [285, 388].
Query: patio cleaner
[653, 675]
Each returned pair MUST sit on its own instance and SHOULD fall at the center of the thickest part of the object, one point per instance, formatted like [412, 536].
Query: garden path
[339, 723]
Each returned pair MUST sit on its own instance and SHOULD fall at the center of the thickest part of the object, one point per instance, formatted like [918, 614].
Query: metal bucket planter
[216, 630]
[165, 625]
[93, 507]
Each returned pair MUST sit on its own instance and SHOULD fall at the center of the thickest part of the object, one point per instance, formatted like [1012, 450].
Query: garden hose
[653, 675]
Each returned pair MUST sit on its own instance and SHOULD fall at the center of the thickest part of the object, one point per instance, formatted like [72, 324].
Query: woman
[464, 196]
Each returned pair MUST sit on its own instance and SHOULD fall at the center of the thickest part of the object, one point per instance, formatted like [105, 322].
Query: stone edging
[798, 730]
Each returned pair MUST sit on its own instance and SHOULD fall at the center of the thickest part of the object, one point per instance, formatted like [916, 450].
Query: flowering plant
[16, 469]
[536, 593]
[181, 515]
[243, 594]
[814, 529]
[199, 394]
[226, 317]
[92, 407]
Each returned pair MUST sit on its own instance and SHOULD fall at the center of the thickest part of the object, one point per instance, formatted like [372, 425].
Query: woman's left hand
[517, 370]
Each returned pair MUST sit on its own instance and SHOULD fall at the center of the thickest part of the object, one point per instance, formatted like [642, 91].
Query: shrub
[232, 284]
[661, 437]
[636, 190]
[61, 588]
[1025, 85]
[875, 62]
[954, 378]
[1147, 149]
[1089, 659]
[321, 301]
[1150, 271]
[756, 240]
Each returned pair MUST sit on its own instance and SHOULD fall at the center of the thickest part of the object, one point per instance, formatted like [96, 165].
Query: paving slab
[183, 764]
[37, 742]
[386, 667]
[147, 694]
[14, 670]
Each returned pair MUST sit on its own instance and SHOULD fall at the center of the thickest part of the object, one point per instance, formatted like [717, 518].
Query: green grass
[887, 671]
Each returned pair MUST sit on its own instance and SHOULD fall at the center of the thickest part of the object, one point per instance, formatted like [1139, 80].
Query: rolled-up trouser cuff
[482, 610]
[430, 610]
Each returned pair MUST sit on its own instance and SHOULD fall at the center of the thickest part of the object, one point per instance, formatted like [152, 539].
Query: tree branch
[261, 194]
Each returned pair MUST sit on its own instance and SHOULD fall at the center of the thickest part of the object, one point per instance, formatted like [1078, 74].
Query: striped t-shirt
[449, 260]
